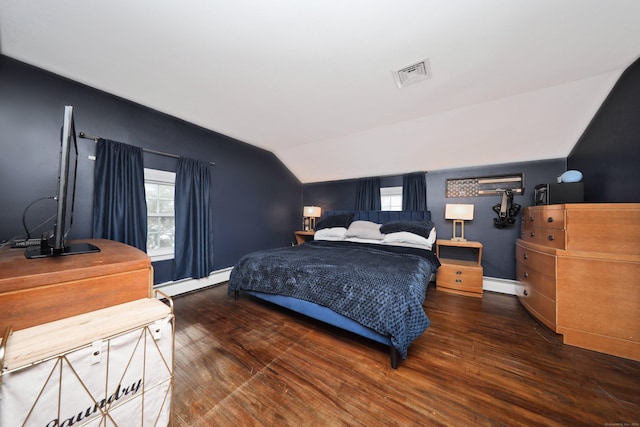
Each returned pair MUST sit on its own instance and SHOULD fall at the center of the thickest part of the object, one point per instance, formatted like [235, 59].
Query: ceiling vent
[413, 73]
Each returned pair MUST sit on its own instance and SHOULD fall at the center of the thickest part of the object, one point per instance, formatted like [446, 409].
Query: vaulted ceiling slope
[311, 81]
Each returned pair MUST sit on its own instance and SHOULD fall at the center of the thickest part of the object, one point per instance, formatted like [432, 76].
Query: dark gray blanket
[381, 287]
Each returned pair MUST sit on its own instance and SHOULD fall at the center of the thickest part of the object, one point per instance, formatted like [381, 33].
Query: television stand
[69, 249]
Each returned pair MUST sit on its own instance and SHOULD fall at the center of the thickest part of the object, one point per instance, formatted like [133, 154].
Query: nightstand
[303, 236]
[460, 271]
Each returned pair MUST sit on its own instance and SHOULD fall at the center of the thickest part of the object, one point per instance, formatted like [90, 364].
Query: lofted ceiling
[312, 82]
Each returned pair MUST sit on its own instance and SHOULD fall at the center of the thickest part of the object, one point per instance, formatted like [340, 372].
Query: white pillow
[405, 238]
[361, 240]
[432, 236]
[332, 233]
[364, 230]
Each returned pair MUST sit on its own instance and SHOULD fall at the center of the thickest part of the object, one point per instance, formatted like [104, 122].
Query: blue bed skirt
[323, 314]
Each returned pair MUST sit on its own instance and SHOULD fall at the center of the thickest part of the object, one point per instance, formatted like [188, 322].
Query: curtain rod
[146, 150]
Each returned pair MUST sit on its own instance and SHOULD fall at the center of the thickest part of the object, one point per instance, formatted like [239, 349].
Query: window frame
[391, 192]
[167, 178]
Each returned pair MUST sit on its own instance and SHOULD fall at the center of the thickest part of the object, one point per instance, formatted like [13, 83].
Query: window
[391, 198]
[159, 187]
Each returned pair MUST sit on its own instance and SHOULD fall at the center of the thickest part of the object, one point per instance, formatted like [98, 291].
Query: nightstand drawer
[460, 279]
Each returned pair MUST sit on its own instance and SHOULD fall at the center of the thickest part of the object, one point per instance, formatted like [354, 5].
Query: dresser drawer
[535, 260]
[535, 280]
[546, 236]
[463, 279]
[544, 216]
[544, 225]
[541, 307]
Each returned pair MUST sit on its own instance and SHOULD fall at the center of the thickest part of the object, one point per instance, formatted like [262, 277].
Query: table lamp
[459, 213]
[309, 214]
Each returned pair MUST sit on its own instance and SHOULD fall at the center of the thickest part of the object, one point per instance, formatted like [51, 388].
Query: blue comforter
[381, 287]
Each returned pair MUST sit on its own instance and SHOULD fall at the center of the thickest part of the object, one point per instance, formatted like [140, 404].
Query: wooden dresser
[579, 271]
[37, 291]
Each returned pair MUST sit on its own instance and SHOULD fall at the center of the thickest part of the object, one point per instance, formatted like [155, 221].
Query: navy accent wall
[499, 244]
[256, 199]
[498, 255]
[608, 153]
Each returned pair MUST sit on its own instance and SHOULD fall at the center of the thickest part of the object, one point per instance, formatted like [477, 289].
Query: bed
[366, 272]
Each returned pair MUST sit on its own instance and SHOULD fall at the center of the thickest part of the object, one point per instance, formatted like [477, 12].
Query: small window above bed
[391, 198]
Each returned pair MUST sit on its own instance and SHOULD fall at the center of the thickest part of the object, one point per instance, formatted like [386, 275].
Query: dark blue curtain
[194, 230]
[414, 192]
[119, 205]
[368, 194]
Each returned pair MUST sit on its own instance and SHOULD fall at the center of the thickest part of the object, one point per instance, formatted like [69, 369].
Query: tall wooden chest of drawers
[579, 271]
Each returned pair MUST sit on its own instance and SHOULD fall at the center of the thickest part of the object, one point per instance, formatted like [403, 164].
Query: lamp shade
[458, 211]
[312, 211]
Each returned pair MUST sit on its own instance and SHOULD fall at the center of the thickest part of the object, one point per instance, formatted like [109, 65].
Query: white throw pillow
[364, 230]
[333, 233]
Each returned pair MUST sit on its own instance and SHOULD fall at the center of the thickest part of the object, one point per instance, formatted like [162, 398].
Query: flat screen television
[55, 243]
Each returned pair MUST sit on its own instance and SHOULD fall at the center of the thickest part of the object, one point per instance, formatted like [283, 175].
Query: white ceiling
[311, 81]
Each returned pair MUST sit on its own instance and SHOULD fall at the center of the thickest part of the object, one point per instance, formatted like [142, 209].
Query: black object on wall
[256, 199]
[507, 211]
[608, 152]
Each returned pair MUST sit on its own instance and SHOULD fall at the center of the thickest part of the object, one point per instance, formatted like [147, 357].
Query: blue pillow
[343, 220]
[421, 228]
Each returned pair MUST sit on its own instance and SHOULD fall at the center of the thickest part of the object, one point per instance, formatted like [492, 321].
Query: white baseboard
[492, 284]
[504, 286]
[189, 285]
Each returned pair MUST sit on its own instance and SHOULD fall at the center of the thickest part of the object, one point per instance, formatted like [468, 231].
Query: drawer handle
[526, 274]
[525, 292]
[458, 281]
[531, 218]
[533, 234]
[525, 256]
[550, 219]
[551, 237]
[458, 272]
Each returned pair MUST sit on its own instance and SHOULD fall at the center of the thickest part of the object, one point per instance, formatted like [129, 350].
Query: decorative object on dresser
[553, 194]
[310, 213]
[459, 213]
[459, 274]
[578, 266]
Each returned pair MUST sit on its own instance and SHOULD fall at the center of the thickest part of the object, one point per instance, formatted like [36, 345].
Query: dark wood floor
[482, 362]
